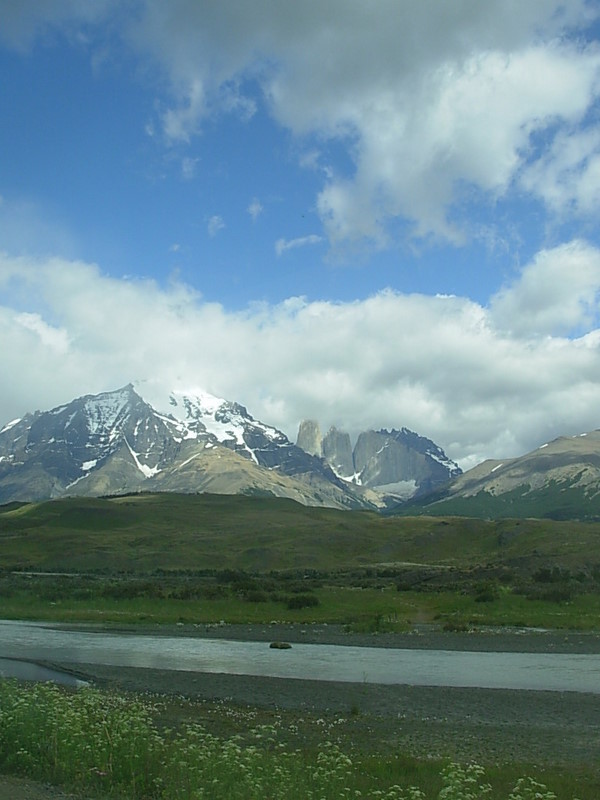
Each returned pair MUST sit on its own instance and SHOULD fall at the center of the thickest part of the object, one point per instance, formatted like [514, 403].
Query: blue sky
[82, 149]
[373, 215]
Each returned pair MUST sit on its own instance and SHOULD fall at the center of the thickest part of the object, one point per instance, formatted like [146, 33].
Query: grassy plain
[141, 533]
[382, 609]
[206, 558]
[168, 559]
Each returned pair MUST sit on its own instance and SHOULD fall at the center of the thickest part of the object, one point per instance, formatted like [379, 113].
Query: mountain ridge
[558, 480]
[115, 442]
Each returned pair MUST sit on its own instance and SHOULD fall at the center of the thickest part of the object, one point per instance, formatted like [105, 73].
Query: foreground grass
[109, 744]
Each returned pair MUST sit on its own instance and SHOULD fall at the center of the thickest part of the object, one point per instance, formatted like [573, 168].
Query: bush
[302, 601]
[486, 592]
[256, 596]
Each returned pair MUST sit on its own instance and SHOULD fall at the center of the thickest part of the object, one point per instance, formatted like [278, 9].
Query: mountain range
[117, 443]
[396, 463]
[558, 480]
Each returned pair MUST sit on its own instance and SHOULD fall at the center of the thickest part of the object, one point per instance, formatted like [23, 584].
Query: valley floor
[534, 729]
[464, 724]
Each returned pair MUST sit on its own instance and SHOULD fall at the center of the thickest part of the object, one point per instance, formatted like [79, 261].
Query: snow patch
[147, 472]
[496, 467]
[103, 411]
[88, 465]
[187, 461]
[10, 425]
[443, 460]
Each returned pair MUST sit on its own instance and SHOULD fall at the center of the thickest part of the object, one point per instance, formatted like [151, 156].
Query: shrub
[486, 592]
[256, 596]
[302, 601]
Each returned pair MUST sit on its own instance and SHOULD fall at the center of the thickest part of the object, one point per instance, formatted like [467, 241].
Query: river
[41, 642]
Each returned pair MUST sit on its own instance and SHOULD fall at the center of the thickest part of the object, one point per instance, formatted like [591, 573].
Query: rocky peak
[337, 451]
[309, 437]
[116, 442]
[397, 462]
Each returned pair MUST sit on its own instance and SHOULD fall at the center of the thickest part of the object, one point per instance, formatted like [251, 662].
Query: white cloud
[255, 208]
[214, 225]
[281, 245]
[181, 122]
[471, 378]
[54, 339]
[556, 294]
[567, 175]
[426, 98]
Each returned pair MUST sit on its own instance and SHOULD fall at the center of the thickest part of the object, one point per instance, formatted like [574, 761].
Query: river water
[28, 642]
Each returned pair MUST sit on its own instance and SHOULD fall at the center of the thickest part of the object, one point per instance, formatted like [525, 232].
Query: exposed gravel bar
[531, 727]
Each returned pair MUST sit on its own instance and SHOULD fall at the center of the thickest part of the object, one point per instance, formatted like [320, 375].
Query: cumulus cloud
[427, 99]
[473, 378]
[567, 175]
[281, 245]
[556, 294]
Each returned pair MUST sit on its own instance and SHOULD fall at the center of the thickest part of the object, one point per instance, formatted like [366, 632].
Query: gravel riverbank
[531, 727]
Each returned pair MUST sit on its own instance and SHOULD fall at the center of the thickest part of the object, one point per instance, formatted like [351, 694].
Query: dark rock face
[384, 458]
[396, 462]
[337, 451]
[46, 453]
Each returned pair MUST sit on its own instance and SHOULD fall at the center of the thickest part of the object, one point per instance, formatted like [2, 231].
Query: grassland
[141, 533]
[201, 558]
[168, 559]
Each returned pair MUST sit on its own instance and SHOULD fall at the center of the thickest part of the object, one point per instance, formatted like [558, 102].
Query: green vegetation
[555, 500]
[366, 600]
[109, 744]
[142, 533]
[187, 559]
[203, 559]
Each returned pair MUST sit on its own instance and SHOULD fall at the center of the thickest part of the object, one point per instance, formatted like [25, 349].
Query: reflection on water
[26, 671]
[540, 671]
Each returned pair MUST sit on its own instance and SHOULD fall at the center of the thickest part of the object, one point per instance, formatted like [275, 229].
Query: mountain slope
[116, 442]
[559, 480]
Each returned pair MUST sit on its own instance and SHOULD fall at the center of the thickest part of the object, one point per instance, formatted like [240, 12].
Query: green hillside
[142, 533]
[556, 500]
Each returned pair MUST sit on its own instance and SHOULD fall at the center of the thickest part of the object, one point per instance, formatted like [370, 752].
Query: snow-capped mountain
[116, 442]
[397, 463]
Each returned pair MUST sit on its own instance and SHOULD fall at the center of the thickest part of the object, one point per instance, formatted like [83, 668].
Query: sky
[373, 215]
